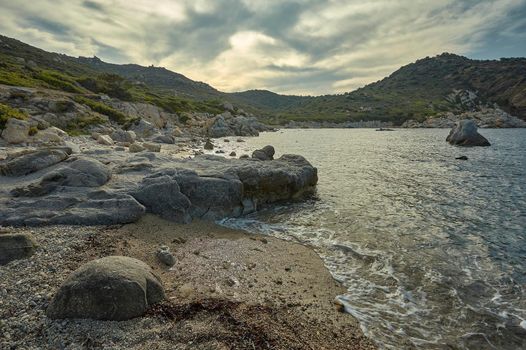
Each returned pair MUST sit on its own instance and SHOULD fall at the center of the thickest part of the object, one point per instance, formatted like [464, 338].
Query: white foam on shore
[377, 295]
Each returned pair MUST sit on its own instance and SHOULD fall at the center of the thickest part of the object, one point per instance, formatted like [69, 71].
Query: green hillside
[415, 91]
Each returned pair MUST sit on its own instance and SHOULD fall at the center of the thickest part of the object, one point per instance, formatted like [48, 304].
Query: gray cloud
[93, 5]
[289, 46]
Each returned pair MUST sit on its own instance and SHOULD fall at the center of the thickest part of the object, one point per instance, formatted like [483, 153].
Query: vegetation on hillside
[415, 91]
[7, 112]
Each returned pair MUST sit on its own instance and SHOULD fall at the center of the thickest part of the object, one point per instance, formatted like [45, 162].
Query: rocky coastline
[148, 193]
[484, 117]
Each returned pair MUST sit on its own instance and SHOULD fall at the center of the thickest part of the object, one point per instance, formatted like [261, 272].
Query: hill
[427, 87]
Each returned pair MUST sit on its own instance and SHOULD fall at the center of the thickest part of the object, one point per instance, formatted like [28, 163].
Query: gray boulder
[165, 256]
[80, 172]
[16, 131]
[211, 197]
[30, 162]
[266, 153]
[465, 133]
[144, 128]
[105, 140]
[16, 246]
[161, 195]
[123, 136]
[228, 106]
[72, 208]
[164, 139]
[207, 187]
[136, 148]
[112, 288]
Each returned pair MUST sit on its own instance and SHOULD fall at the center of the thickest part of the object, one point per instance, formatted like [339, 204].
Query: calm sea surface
[431, 249]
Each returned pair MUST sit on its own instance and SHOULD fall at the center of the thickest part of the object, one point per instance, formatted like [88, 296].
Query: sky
[306, 47]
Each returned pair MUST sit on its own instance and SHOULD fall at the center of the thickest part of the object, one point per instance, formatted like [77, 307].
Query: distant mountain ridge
[415, 91]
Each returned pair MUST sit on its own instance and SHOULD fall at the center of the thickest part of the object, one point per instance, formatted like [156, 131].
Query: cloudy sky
[288, 46]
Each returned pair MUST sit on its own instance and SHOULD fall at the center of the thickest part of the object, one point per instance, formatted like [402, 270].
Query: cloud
[289, 46]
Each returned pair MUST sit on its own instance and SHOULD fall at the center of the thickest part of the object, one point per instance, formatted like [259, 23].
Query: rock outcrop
[161, 195]
[227, 125]
[80, 172]
[16, 131]
[112, 288]
[16, 246]
[484, 118]
[81, 189]
[465, 133]
[32, 161]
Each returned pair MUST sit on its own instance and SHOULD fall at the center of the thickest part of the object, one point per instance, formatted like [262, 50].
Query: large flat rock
[102, 186]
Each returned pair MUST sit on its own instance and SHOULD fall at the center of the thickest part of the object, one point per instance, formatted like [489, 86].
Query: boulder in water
[465, 133]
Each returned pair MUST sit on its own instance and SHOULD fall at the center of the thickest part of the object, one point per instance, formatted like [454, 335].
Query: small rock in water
[220, 151]
[232, 154]
[465, 133]
[462, 158]
[226, 140]
[165, 256]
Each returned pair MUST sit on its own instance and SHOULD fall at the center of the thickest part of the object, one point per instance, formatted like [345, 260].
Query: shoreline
[277, 293]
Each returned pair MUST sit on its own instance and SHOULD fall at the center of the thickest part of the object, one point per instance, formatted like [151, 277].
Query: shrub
[110, 84]
[101, 108]
[58, 80]
[78, 125]
[33, 131]
[7, 112]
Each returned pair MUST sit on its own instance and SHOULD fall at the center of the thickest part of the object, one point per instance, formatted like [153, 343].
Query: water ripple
[432, 250]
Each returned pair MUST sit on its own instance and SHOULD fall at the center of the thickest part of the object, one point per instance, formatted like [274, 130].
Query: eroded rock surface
[101, 186]
[112, 288]
[465, 133]
[32, 161]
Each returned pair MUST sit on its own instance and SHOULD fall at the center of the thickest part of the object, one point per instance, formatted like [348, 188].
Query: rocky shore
[227, 290]
[148, 193]
[484, 118]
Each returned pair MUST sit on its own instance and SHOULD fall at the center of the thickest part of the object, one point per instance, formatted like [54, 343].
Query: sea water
[432, 250]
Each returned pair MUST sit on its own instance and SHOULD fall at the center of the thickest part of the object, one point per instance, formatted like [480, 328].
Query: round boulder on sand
[112, 288]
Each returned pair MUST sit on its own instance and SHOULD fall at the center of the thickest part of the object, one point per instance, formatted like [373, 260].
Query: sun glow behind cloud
[288, 46]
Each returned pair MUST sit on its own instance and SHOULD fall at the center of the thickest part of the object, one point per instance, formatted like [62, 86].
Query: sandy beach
[227, 290]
